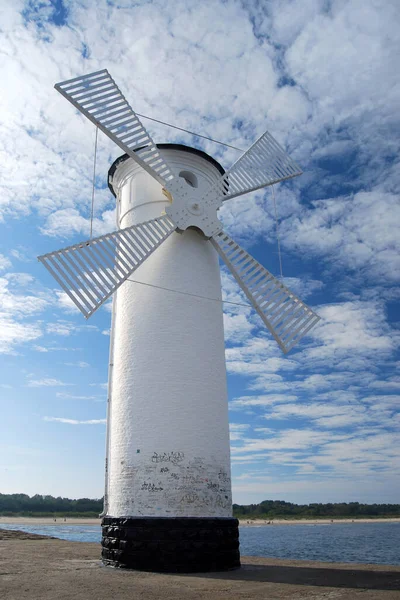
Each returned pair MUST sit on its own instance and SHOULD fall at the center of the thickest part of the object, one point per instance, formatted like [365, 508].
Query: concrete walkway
[47, 569]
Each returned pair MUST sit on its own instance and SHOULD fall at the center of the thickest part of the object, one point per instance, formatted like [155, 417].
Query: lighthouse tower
[168, 488]
[168, 502]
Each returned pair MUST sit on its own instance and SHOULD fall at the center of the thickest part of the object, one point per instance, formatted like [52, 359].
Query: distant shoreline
[242, 522]
[258, 522]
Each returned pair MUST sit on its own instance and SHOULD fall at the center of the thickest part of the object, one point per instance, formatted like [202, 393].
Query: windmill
[168, 500]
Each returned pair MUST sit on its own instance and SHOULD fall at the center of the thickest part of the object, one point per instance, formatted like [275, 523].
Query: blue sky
[321, 424]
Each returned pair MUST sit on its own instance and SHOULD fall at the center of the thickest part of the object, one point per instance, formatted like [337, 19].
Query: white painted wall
[168, 420]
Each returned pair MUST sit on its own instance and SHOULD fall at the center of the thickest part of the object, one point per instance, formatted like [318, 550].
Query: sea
[373, 543]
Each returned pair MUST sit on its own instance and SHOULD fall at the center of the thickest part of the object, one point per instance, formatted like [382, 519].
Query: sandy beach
[244, 522]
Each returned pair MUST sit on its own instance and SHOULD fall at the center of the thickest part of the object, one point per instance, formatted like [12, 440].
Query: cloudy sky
[319, 425]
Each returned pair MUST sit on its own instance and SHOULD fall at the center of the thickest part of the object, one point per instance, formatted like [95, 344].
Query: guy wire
[191, 132]
[94, 182]
[159, 287]
[277, 232]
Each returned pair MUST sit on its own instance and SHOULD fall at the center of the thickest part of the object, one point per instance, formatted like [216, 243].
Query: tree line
[38, 505]
[274, 509]
[46, 506]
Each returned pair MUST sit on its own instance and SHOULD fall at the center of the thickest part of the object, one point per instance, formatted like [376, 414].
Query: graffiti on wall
[169, 483]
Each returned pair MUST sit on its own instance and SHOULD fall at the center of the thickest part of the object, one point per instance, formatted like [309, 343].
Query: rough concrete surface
[34, 567]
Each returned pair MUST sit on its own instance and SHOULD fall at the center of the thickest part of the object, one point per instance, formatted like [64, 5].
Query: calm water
[377, 543]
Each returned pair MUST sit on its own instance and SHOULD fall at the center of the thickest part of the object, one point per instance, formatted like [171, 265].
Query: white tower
[168, 491]
[168, 437]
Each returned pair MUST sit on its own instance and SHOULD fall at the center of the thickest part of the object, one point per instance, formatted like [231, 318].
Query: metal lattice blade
[284, 314]
[91, 271]
[98, 97]
[263, 164]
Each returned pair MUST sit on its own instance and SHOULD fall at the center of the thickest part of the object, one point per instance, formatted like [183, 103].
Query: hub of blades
[189, 209]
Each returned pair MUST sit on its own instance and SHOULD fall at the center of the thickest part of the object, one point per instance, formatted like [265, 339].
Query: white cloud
[237, 430]
[81, 364]
[21, 253]
[66, 328]
[245, 217]
[351, 337]
[66, 303]
[5, 263]
[303, 287]
[264, 400]
[60, 328]
[12, 334]
[379, 400]
[237, 328]
[352, 329]
[332, 45]
[256, 356]
[392, 383]
[289, 439]
[104, 386]
[107, 306]
[347, 229]
[20, 279]
[75, 421]
[329, 455]
[54, 349]
[65, 396]
[66, 222]
[46, 382]
[324, 416]
[17, 304]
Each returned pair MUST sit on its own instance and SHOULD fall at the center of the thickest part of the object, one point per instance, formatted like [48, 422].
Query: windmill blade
[98, 97]
[263, 164]
[284, 314]
[91, 271]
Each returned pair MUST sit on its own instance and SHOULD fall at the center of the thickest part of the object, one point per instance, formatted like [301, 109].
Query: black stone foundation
[172, 545]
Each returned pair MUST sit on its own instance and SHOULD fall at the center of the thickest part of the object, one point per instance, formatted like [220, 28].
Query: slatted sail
[98, 97]
[91, 271]
[284, 314]
[263, 164]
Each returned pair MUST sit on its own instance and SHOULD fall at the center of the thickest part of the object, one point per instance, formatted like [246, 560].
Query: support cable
[159, 287]
[204, 137]
[277, 232]
[94, 182]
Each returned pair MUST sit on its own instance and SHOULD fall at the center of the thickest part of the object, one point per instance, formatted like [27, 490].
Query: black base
[174, 545]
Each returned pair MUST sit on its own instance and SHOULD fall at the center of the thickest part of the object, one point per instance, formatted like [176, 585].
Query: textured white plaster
[169, 438]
